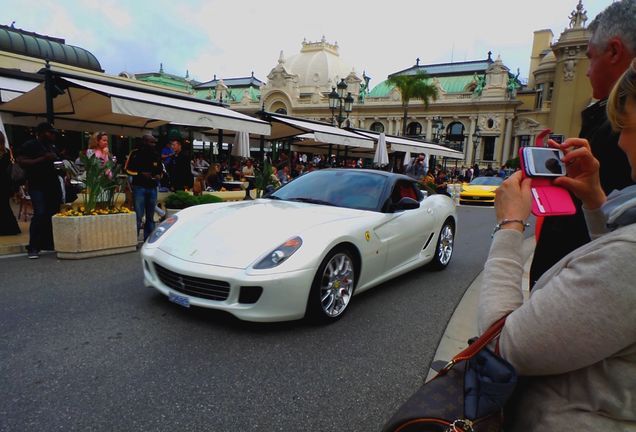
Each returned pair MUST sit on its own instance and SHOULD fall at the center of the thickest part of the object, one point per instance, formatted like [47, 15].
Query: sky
[232, 39]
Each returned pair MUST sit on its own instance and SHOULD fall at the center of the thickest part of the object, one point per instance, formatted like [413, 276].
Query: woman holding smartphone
[574, 339]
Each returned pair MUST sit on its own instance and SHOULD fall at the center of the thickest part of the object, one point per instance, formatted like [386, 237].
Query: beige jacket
[576, 335]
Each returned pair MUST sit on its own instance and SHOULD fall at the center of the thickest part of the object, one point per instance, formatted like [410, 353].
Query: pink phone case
[547, 199]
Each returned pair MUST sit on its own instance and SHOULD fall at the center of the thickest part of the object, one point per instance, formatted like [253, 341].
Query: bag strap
[471, 350]
[11, 158]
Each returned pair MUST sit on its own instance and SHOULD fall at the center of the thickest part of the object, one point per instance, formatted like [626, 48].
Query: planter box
[79, 237]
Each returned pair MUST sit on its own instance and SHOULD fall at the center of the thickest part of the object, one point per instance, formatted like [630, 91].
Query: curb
[463, 324]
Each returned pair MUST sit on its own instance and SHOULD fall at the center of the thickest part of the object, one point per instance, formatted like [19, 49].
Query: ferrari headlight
[280, 254]
[162, 228]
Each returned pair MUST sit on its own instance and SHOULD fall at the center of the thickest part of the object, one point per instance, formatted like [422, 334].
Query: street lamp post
[438, 127]
[339, 102]
[476, 140]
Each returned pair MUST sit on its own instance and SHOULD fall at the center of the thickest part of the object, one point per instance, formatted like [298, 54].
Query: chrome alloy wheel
[336, 286]
[445, 247]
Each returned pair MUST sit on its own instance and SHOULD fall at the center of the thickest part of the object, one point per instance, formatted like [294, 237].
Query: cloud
[113, 12]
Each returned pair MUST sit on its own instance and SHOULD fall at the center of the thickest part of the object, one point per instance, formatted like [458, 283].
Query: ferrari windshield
[487, 181]
[342, 188]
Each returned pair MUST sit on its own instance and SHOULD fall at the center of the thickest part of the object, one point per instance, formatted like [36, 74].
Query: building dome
[547, 64]
[31, 44]
[318, 65]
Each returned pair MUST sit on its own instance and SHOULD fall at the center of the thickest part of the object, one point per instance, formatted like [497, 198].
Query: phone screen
[543, 162]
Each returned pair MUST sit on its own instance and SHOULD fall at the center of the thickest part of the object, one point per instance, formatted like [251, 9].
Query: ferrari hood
[237, 234]
[478, 188]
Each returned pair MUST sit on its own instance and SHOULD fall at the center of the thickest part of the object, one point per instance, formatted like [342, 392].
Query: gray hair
[617, 20]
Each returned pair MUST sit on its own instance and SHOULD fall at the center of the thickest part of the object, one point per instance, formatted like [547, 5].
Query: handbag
[16, 174]
[466, 395]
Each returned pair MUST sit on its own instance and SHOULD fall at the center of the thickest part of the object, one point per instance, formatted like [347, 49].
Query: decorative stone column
[515, 150]
[506, 145]
[429, 128]
[469, 148]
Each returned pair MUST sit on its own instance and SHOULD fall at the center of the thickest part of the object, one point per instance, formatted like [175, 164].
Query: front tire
[332, 287]
[445, 246]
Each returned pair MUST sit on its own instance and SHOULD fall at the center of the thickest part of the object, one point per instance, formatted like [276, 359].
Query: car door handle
[429, 210]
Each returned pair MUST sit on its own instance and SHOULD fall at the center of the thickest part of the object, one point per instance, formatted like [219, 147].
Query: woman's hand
[513, 201]
[583, 172]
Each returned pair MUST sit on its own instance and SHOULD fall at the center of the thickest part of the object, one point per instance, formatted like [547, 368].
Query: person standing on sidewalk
[8, 224]
[144, 165]
[610, 51]
[180, 172]
[574, 339]
[37, 157]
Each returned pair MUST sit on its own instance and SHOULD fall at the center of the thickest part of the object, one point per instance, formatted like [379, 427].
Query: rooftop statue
[578, 17]
[511, 87]
[364, 88]
[480, 81]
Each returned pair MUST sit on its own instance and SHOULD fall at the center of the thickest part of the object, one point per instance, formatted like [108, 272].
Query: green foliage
[181, 199]
[263, 178]
[416, 86]
[513, 163]
[101, 183]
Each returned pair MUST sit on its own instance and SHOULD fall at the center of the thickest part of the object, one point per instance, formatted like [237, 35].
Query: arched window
[278, 107]
[377, 127]
[414, 128]
[455, 132]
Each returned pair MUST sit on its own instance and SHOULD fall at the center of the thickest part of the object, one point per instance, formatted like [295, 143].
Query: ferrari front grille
[209, 289]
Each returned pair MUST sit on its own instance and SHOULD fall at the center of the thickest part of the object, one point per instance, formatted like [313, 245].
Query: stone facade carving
[526, 126]
[569, 68]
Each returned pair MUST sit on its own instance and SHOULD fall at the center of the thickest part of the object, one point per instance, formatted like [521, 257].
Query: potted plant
[179, 200]
[98, 227]
[263, 178]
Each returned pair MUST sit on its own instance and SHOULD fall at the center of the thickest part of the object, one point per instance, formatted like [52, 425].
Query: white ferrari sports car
[303, 250]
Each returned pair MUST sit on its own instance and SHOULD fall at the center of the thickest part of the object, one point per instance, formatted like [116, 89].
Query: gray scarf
[620, 208]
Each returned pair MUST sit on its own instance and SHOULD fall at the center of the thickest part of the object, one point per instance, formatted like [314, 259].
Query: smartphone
[543, 162]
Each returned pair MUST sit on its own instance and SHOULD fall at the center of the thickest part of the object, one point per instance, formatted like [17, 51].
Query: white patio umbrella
[381, 156]
[241, 146]
[407, 158]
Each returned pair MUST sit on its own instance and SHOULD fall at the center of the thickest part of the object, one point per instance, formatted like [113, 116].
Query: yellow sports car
[481, 190]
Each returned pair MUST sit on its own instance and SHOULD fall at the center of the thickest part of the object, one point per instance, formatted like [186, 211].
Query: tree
[413, 87]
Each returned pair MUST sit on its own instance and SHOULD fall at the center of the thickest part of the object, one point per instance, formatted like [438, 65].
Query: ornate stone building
[481, 94]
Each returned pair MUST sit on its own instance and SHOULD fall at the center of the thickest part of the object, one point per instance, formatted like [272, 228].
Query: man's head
[612, 46]
[149, 140]
[175, 144]
[46, 131]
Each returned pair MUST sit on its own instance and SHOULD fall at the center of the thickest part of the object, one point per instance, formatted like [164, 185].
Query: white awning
[402, 144]
[10, 88]
[110, 102]
[322, 134]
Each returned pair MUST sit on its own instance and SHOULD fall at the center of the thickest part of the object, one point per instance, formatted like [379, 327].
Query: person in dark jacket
[180, 171]
[145, 167]
[610, 51]
[8, 224]
[37, 157]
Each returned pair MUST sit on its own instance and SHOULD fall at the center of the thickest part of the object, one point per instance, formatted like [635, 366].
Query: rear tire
[445, 246]
[332, 287]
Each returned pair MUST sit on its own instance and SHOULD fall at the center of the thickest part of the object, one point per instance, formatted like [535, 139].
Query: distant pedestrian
[181, 170]
[37, 157]
[8, 224]
[144, 165]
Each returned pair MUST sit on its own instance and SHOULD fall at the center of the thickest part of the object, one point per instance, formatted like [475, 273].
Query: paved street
[85, 347]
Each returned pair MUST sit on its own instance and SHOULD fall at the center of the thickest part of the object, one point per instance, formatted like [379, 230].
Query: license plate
[180, 300]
